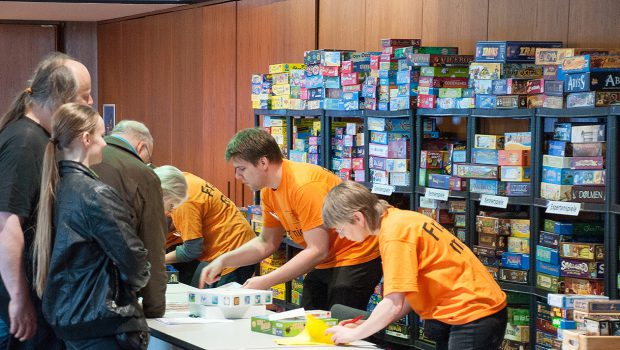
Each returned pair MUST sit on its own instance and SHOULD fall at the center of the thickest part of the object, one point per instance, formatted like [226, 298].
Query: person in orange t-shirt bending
[292, 194]
[209, 225]
[425, 269]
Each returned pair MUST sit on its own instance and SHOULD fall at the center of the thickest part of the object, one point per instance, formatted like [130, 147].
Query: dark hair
[252, 144]
[348, 197]
[51, 85]
[68, 123]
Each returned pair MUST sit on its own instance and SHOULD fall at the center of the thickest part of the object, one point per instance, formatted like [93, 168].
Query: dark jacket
[98, 262]
[140, 187]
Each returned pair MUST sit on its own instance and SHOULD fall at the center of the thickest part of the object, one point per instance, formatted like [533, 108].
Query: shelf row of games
[405, 75]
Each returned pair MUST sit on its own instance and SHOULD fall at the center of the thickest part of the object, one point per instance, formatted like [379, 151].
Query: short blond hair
[173, 184]
[347, 198]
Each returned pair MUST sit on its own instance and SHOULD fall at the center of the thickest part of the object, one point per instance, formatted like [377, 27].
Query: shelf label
[435, 193]
[385, 190]
[494, 201]
[563, 208]
[428, 203]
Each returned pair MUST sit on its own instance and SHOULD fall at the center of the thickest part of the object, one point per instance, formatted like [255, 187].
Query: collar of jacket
[69, 166]
[120, 144]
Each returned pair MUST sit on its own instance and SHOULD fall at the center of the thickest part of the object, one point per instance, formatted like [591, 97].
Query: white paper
[438, 194]
[288, 314]
[494, 201]
[385, 190]
[428, 203]
[563, 208]
[189, 320]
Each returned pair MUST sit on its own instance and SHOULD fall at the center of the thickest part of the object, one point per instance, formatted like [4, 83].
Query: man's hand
[23, 318]
[343, 334]
[258, 282]
[211, 273]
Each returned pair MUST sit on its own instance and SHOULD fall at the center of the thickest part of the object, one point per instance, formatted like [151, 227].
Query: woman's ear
[86, 138]
[358, 218]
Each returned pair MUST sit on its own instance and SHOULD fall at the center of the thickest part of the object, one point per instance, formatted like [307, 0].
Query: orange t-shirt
[296, 206]
[209, 214]
[441, 278]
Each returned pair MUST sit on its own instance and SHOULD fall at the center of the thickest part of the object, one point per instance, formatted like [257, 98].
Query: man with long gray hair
[125, 167]
[24, 133]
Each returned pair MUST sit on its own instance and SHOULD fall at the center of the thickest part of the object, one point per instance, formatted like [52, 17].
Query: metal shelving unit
[535, 205]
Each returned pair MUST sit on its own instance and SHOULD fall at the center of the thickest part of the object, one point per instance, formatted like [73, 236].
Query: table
[218, 336]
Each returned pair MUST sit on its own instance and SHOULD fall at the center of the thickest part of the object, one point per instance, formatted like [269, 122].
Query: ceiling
[62, 11]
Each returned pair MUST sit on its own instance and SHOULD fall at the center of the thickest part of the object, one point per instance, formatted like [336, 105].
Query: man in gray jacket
[124, 167]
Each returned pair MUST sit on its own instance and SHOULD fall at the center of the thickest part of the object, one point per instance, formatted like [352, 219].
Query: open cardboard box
[574, 340]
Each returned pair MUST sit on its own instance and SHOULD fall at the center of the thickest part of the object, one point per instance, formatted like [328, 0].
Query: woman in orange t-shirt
[425, 269]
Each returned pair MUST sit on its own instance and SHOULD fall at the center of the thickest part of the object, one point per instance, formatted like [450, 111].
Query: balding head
[82, 77]
[138, 135]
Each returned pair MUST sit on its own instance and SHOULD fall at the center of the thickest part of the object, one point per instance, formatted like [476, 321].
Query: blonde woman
[88, 260]
[425, 269]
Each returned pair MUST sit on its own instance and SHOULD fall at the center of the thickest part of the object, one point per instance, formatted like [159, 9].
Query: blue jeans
[4, 334]
[486, 333]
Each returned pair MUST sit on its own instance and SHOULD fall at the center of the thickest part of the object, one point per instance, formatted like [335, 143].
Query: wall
[23, 46]
[186, 73]
[359, 24]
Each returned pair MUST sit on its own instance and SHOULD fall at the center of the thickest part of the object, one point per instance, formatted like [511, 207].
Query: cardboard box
[476, 171]
[588, 194]
[489, 141]
[552, 56]
[510, 51]
[518, 141]
[283, 328]
[582, 251]
[580, 99]
[515, 173]
[576, 64]
[513, 157]
[484, 156]
[514, 276]
[555, 192]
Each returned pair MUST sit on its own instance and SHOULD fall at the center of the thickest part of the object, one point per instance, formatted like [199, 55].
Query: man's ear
[263, 162]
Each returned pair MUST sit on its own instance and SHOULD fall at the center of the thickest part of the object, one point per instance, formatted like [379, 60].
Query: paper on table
[302, 338]
[288, 314]
[189, 320]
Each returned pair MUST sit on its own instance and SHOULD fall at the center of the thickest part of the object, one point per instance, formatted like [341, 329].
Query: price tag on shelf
[437, 194]
[385, 190]
[494, 201]
[563, 208]
[428, 203]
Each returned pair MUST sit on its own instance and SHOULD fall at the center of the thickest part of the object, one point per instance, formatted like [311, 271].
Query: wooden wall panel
[23, 46]
[187, 90]
[342, 24]
[219, 52]
[109, 58]
[268, 32]
[159, 70]
[134, 55]
[392, 19]
[594, 23]
[528, 20]
[80, 39]
[454, 23]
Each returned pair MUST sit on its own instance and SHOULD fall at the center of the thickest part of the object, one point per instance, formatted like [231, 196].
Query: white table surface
[218, 336]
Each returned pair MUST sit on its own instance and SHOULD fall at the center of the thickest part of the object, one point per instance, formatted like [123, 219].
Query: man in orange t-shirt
[426, 269]
[209, 225]
[292, 194]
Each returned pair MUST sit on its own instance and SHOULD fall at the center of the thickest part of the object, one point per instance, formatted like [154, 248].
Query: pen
[352, 320]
